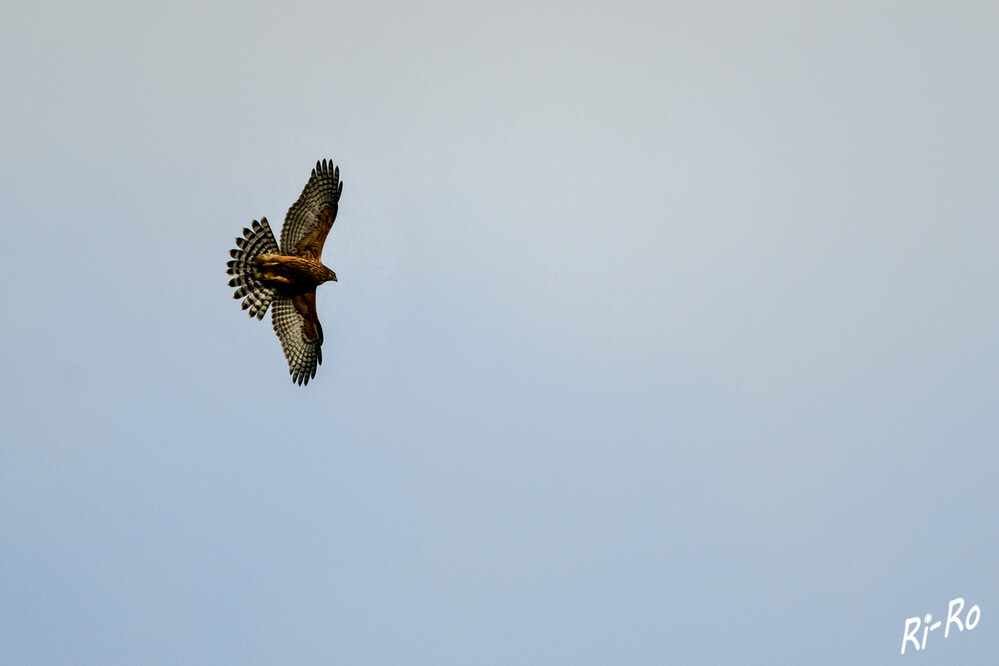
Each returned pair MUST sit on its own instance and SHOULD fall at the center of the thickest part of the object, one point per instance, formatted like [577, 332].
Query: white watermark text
[956, 622]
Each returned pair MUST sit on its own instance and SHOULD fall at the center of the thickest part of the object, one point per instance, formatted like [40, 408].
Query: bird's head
[330, 275]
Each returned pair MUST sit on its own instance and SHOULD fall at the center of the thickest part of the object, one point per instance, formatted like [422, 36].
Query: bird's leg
[272, 278]
[269, 276]
[266, 260]
[267, 268]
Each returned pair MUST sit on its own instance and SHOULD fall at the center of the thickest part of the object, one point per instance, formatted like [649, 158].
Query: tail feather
[254, 242]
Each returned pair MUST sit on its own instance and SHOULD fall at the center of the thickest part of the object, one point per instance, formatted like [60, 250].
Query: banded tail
[255, 241]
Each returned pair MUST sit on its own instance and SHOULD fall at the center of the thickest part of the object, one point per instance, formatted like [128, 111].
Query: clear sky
[664, 333]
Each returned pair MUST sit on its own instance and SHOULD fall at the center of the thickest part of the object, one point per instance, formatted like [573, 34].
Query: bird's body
[287, 276]
[290, 273]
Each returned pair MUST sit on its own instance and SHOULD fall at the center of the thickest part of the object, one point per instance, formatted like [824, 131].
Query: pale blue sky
[664, 333]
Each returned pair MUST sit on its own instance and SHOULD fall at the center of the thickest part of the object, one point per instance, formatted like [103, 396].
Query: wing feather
[309, 220]
[297, 326]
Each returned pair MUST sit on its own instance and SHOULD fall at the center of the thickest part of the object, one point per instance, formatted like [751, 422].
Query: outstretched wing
[310, 218]
[297, 326]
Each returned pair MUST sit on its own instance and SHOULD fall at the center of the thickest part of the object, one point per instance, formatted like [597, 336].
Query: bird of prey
[286, 277]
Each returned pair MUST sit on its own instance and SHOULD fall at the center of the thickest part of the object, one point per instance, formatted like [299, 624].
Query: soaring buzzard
[288, 277]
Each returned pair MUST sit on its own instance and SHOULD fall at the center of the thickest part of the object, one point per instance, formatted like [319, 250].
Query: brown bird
[288, 277]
